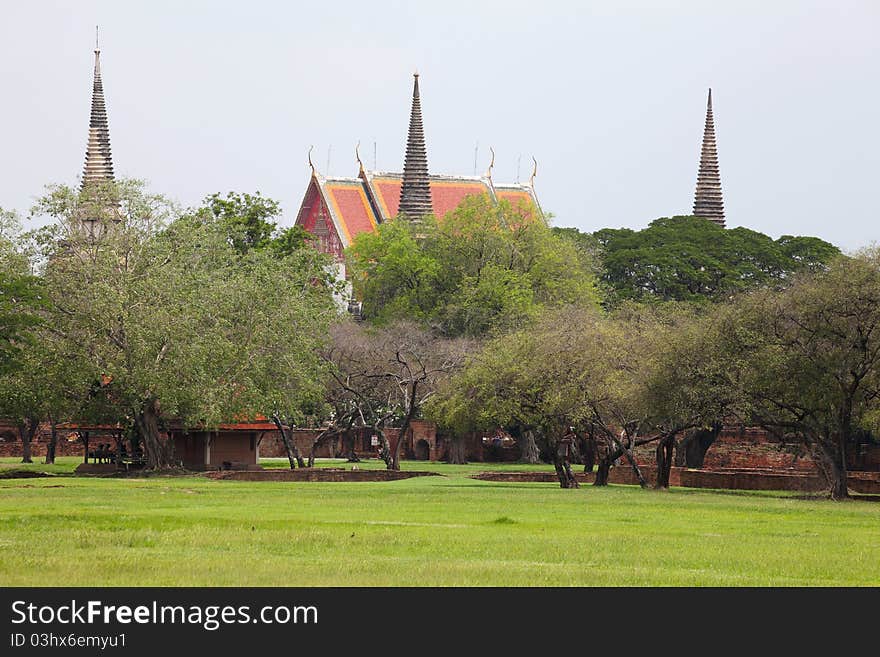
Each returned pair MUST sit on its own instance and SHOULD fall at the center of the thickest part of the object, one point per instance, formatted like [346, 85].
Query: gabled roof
[517, 193]
[356, 205]
[447, 192]
[347, 203]
[349, 206]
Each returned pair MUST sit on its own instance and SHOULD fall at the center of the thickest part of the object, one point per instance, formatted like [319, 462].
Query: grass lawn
[435, 531]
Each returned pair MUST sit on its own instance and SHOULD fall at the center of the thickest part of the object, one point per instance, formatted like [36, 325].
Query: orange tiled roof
[349, 207]
[515, 195]
[447, 192]
[357, 205]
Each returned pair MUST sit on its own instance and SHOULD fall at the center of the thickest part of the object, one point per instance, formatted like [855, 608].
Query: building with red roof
[336, 210]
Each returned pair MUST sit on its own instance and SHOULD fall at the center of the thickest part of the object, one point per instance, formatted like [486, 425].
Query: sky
[609, 97]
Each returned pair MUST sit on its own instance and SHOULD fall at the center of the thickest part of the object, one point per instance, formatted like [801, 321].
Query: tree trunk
[588, 453]
[691, 452]
[529, 451]
[404, 427]
[53, 441]
[635, 466]
[315, 443]
[384, 448]
[348, 443]
[664, 460]
[147, 421]
[562, 464]
[289, 444]
[602, 471]
[395, 454]
[836, 453]
[566, 476]
[26, 430]
[456, 450]
[608, 455]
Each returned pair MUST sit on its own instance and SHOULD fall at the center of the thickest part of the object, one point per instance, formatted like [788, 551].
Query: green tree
[20, 293]
[250, 222]
[484, 268]
[807, 359]
[640, 375]
[185, 324]
[692, 259]
[382, 377]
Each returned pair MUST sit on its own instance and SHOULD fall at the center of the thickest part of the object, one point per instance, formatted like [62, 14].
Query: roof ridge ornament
[534, 173]
[357, 155]
[491, 164]
[312, 164]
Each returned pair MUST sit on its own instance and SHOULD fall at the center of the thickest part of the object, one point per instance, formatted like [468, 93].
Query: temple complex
[708, 202]
[335, 210]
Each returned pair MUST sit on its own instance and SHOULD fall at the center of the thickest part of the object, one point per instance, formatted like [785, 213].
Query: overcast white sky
[609, 96]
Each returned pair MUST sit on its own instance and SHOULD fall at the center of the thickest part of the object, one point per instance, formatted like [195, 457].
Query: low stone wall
[317, 474]
[38, 448]
[866, 483]
[617, 475]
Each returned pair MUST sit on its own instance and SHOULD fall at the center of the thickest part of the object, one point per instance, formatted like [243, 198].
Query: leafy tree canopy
[183, 323]
[687, 258]
[807, 359]
[20, 293]
[250, 222]
[483, 268]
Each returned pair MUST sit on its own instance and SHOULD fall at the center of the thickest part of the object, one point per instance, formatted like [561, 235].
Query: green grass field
[435, 531]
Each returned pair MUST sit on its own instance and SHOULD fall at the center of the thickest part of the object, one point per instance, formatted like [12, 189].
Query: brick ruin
[743, 449]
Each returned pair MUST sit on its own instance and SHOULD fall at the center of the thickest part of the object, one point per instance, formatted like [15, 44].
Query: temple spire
[708, 202]
[99, 163]
[415, 193]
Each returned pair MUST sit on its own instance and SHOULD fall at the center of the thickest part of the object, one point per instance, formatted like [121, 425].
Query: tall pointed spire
[708, 202]
[99, 163]
[415, 193]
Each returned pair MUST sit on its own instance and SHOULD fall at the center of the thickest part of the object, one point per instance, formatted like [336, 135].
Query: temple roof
[516, 194]
[447, 192]
[360, 204]
[349, 207]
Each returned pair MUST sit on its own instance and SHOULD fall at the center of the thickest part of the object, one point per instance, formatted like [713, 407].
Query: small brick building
[234, 446]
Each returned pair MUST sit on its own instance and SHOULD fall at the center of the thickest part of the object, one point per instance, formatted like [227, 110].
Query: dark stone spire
[707, 199]
[99, 162]
[415, 193]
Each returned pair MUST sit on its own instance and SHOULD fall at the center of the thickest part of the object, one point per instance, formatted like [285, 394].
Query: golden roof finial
[534, 173]
[312, 164]
[491, 164]
[357, 154]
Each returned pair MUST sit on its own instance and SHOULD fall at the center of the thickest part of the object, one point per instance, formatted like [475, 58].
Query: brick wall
[746, 449]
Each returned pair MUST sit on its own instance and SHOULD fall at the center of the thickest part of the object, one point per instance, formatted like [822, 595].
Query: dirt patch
[24, 474]
[618, 475]
[317, 474]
